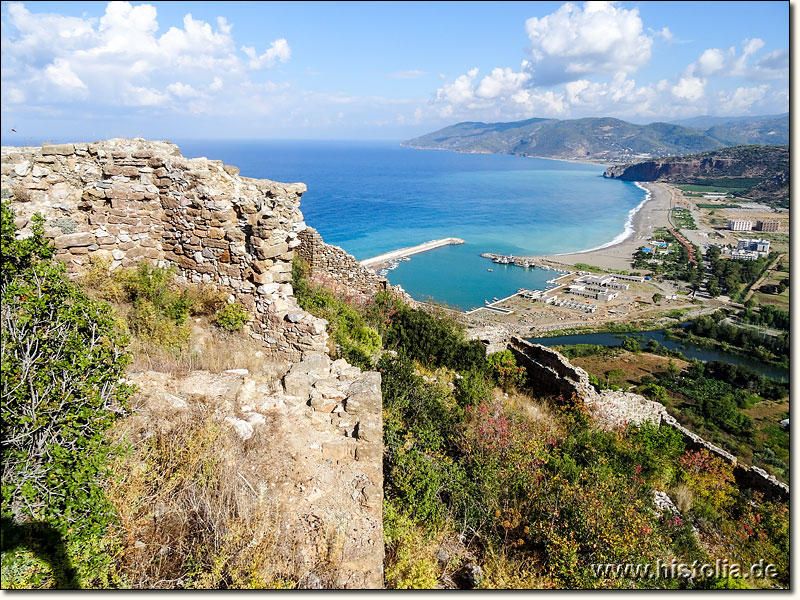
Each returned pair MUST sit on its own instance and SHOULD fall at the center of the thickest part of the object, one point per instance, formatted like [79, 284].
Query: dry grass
[684, 497]
[217, 352]
[503, 571]
[190, 517]
[532, 409]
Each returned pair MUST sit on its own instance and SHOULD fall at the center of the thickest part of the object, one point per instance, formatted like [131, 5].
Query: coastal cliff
[757, 172]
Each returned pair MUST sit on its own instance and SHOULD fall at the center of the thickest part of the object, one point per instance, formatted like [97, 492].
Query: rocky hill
[756, 172]
[603, 139]
[124, 201]
[290, 474]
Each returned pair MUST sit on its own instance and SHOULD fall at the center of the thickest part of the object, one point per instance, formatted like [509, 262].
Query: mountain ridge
[604, 139]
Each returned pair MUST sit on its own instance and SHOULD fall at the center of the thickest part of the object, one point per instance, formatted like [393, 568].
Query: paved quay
[404, 252]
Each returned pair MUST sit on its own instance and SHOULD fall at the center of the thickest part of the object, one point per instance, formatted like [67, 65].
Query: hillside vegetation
[603, 138]
[486, 483]
[758, 173]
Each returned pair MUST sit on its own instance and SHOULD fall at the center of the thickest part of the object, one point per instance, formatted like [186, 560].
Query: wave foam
[628, 231]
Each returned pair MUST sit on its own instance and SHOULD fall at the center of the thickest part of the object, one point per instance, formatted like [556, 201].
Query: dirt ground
[635, 366]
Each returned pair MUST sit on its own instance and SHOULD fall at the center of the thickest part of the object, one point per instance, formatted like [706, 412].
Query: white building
[761, 246]
[740, 225]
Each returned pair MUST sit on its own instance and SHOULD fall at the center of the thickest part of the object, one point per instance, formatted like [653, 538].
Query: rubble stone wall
[128, 200]
[551, 374]
[333, 265]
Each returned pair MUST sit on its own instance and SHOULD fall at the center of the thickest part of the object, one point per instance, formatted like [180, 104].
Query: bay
[373, 197]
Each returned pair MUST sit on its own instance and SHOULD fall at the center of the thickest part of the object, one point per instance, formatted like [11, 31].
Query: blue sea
[373, 197]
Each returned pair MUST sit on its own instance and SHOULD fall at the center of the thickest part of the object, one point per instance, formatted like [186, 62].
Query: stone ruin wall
[128, 200]
[333, 265]
[552, 373]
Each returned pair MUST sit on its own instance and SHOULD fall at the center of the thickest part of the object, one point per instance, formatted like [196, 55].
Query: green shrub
[354, 338]
[232, 317]
[506, 371]
[434, 340]
[410, 559]
[654, 392]
[62, 362]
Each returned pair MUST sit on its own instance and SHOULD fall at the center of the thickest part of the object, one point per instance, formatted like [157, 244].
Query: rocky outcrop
[762, 170]
[318, 432]
[127, 200]
[668, 169]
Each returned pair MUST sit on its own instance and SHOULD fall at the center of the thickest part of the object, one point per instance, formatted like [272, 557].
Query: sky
[378, 70]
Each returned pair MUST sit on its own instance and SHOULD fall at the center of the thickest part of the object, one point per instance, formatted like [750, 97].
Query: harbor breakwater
[406, 252]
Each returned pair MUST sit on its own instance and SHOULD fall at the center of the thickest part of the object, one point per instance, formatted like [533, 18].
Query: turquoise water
[687, 349]
[373, 197]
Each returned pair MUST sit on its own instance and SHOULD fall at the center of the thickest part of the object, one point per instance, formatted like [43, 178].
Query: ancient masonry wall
[334, 265]
[552, 374]
[127, 200]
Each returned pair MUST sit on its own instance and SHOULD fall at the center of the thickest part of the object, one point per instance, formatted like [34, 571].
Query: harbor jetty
[406, 252]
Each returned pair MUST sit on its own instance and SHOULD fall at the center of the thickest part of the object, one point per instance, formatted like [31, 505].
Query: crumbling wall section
[336, 268]
[551, 374]
[128, 200]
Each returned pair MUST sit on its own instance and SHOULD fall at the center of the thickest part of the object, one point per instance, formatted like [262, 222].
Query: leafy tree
[62, 361]
[631, 344]
[672, 369]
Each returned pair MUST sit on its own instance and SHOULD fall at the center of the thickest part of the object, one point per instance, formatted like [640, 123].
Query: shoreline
[652, 213]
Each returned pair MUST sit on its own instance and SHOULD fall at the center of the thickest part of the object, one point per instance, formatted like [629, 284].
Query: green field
[707, 189]
[717, 206]
[683, 219]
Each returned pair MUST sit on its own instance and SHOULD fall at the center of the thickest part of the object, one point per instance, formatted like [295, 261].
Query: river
[687, 349]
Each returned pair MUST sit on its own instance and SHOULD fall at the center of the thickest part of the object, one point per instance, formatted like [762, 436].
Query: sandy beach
[652, 215]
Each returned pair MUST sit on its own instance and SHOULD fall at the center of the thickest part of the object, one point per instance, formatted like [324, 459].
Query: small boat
[490, 269]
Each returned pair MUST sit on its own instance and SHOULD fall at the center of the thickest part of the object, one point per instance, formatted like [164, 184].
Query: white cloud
[183, 90]
[742, 99]
[664, 32]
[278, 51]
[459, 91]
[729, 63]
[601, 38]
[711, 62]
[689, 88]
[120, 58]
[61, 75]
[503, 82]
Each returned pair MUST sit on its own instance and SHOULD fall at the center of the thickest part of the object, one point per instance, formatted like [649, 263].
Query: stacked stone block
[129, 200]
[334, 264]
